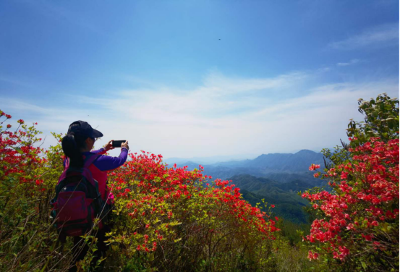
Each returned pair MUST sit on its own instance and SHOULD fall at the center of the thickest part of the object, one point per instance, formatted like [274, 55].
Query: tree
[358, 221]
[381, 120]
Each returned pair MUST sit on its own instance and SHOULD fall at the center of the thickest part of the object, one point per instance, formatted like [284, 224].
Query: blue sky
[198, 78]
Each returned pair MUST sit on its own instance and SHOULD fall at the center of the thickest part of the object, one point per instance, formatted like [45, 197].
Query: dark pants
[80, 249]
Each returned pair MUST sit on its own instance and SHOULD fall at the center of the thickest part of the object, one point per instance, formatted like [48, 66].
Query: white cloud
[352, 62]
[256, 116]
[217, 83]
[375, 37]
[218, 97]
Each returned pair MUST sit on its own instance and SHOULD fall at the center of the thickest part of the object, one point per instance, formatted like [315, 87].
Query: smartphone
[118, 143]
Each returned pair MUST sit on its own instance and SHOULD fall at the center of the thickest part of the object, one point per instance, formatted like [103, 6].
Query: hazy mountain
[209, 160]
[298, 162]
[279, 166]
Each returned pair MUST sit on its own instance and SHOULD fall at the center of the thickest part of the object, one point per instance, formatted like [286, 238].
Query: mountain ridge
[284, 167]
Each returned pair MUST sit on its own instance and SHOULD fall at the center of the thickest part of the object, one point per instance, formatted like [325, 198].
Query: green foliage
[288, 258]
[339, 155]
[381, 120]
[293, 232]
[27, 182]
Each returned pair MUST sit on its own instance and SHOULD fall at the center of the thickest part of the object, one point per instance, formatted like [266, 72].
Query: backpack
[78, 201]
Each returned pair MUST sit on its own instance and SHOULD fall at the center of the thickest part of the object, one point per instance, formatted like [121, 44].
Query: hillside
[277, 178]
[288, 204]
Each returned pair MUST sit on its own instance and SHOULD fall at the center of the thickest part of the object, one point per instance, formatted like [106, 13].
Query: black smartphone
[118, 143]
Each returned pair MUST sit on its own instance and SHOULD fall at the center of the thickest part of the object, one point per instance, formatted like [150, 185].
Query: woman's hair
[72, 145]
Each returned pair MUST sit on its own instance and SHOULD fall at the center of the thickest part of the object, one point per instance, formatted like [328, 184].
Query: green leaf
[364, 265]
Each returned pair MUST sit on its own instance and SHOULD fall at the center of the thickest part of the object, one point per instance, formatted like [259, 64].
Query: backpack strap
[90, 159]
[74, 171]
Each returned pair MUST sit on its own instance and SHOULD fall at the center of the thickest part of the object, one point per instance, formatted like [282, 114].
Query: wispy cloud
[22, 106]
[352, 62]
[209, 120]
[375, 37]
[219, 96]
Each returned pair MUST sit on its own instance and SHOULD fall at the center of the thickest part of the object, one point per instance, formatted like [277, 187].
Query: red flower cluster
[165, 191]
[314, 167]
[312, 255]
[364, 196]
[152, 200]
[15, 159]
[17, 154]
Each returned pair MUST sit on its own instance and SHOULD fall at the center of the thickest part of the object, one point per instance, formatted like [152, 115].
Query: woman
[78, 144]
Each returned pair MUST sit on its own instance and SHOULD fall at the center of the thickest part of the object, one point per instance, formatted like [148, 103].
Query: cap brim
[97, 134]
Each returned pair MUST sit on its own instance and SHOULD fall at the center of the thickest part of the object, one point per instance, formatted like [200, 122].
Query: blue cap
[84, 129]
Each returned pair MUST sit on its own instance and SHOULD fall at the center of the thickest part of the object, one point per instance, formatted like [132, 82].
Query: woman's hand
[109, 146]
[125, 145]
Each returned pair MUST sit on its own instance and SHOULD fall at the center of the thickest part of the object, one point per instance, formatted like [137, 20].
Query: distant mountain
[298, 162]
[279, 167]
[209, 160]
